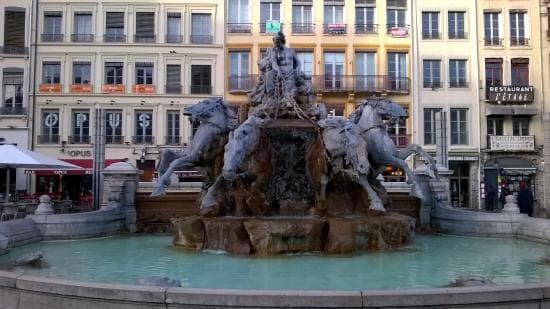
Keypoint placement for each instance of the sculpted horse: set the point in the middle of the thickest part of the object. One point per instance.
(348, 153)
(370, 116)
(206, 149)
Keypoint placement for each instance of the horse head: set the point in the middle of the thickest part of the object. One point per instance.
(213, 111)
(376, 110)
(242, 142)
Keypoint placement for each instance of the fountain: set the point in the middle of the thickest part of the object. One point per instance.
(288, 179)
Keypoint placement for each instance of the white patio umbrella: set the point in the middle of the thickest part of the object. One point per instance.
(13, 157)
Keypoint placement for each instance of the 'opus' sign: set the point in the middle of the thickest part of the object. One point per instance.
(512, 94)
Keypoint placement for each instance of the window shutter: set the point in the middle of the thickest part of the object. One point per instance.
(173, 74)
(520, 60)
(397, 4)
(145, 24)
(114, 20)
(365, 3)
(15, 22)
(270, 1)
(493, 60)
(174, 14)
(302, 2)
(334, 2)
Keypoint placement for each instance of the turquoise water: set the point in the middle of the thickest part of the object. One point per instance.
(432, 261)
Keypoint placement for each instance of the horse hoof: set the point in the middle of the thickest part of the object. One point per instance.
(377, 207)
(158, 191)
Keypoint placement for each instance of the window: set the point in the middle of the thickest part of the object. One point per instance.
(51, 71)
(397, 71)
(430, 25)
(12, 84)
(335, 111)
(520, 126)
(457, 74)
(238, 16)
(201, 29)
(144, 73)
(491, 28)
(50, 127)
(81, 128)
(365, 71)
(113, 127)
(302, 17)
(334, 17)
(429, 125)
(239, 62)
(52, 27)
(495, 125)
(144, 127)
(173, 128)
(306, 62)
(173, 78)
(432, 73)
(520, 72)
(14, 31)
(173, 27)
(113, 73)
(395, 14)
(269, 10)
(334, 70)
(456, 25)
(82, 27)
(493, 74)
(145, 27)
(114, 27)
(81, 72)
(517, 28)
(201, 79)
(364, 16)
(459, 126)
(398, 134)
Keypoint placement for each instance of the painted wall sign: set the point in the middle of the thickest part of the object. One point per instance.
(512, 94)
(512, 143)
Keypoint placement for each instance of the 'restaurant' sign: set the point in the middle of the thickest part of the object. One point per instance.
(511, 94)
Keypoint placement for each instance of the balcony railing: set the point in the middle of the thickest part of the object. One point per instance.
(493, 41)
(242, 83)
(303, 28)
(108, 38)
(114, 139)
(175, 89)
(458, 84)
(139, 38)
(48, 139)
(400, 140)
(79, 139)
(79, 37)
(172, 38)
(143, 139)
(361, 83)
(510, 143)
(431, 84)
(431, 36)
(113, 88)
(172, 140)
(202, 39)
(398, 31)
(366, 28)
(14, 50)
(13, 110)
(335, 29)
(458, 35)
(519, 41)
(52, 37)
(201, 89)
(239, 27)
(49, 88)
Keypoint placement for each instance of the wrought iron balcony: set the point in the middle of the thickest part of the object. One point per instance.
(79, 37)
(113, 37)
(52, 37)
(493, 41)
(114, 139)
(239, 27)
(172, 38)
(302, 28)
(335, 29)
(360, 83)
(431, 84)
(175, 89)
(519, 41)
(242, 83)
(366, 28)
(140, 38)
(172, 140)
(13, 110)
(202, 39)
(48, 139)
(14, 50)
(79, 139)
(431, 35)
(143, 139)
(201, 89)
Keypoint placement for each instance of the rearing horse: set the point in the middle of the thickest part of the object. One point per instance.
(370, 116)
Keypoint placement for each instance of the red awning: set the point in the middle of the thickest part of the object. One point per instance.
(86, 164)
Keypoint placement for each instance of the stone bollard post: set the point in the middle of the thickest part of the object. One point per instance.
(121, 181)
(437, 192)
(511, 205)
(45, 206)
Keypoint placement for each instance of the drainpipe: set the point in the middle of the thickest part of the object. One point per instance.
(31, 117)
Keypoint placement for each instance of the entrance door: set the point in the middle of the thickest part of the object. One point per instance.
(491, 184)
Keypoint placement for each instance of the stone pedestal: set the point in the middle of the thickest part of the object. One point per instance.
(120, 183)
(511, 205)
(45, 206)
(437, 192)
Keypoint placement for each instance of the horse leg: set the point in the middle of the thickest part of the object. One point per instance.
(374, 199)
(426, 157)
(159, 187)
(378, 188)
(209, 199)
(411, 177)
(166, 157)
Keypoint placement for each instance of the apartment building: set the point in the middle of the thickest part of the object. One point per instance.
(511, 97)
(348, 49)
(140, 61)
(445, 80)
(15, 20)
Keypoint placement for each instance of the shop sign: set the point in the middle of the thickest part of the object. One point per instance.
(511, 94)
(512, 143)
(80, 153)
(272, 26)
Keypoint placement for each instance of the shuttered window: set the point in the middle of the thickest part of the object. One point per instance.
(302, 2)
(145, 24)
(14, 28)
(173, 78)
(114, 23)
(201, 79)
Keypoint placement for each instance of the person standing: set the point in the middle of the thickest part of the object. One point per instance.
(490, 198)
(525, 199)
